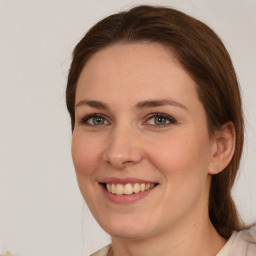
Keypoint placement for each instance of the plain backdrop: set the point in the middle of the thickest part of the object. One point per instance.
(41, 210)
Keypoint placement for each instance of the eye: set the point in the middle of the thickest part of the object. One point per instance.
(160, 119)
(94, 120)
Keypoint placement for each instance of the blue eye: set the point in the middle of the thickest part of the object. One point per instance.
(94, 120)
(160, 119)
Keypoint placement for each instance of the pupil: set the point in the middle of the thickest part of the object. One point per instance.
(98, 120)
(160, 120)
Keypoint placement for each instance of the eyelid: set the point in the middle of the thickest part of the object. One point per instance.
(163, 115)
(83, 120)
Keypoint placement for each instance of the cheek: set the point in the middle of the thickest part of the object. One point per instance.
(85, 154)
(181, 159)
(86, 158)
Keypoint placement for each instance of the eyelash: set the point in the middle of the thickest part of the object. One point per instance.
(169, 119)
(84, 120)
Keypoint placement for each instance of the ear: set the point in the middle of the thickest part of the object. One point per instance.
(223, 147)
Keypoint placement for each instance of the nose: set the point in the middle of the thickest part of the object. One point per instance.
(123, 148)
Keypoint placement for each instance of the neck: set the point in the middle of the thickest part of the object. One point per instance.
(193, 239)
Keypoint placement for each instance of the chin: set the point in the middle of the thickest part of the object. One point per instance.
(128, 228)
(127, 233)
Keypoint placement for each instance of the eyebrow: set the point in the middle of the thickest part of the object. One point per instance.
(157, 103)
(140, 105)
(92, 103)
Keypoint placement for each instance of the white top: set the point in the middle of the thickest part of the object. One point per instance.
(242, 243)
(224, 251)
(102, 252)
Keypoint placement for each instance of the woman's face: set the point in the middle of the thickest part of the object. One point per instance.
(141, 147)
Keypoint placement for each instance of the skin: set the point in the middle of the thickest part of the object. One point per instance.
(180, 156)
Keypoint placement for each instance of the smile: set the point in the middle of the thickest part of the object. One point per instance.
(126, 190)
(129, 188)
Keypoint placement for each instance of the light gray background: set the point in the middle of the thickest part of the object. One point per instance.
(41, 209)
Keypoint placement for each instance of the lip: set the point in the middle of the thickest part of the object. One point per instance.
(125, 199)
(115, 180)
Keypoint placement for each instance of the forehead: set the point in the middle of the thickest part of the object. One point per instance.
(134, 69)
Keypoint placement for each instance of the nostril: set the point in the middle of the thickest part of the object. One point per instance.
(126, 163)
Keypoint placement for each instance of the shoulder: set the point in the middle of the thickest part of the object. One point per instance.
(103, 251)
(244, 243)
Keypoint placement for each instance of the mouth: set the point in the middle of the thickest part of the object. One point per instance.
(128, 188)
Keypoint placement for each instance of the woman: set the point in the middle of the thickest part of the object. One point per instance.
(158, 134)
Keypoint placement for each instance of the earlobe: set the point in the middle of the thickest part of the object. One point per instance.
(223, 148)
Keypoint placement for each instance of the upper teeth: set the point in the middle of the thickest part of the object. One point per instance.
(128, 188)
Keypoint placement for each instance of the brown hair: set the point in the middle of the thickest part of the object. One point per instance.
(204, 57)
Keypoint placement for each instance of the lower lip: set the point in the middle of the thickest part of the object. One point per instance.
(126, 199)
